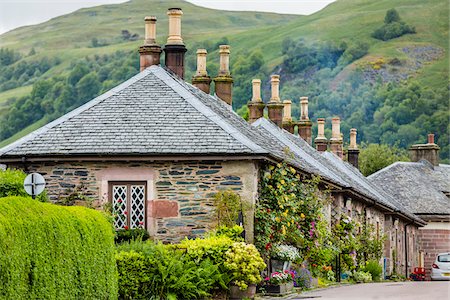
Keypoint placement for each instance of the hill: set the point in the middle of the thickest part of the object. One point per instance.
(393, 91)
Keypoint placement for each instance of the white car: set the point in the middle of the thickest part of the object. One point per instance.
(440, 270)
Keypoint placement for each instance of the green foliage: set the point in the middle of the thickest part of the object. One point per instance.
(227, 205)
(245, 264)
(126, 235)
(362, 277)
(234, 233)
(11, 184)
(155, 271)
(374, 268)
(374, 157)
(213, 248)
(393, 27)
(289, 211)
(54, 252)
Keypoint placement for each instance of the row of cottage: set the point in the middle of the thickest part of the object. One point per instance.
(162, 148)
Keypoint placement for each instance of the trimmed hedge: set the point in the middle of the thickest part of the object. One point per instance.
(54, 252)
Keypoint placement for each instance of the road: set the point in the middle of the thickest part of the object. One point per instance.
(428, 290)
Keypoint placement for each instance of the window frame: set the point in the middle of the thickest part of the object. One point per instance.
(129, 184)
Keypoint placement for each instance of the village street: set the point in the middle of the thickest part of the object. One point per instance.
(428, 290)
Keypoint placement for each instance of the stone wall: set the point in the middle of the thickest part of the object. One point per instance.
(433, 240)
(179, 194)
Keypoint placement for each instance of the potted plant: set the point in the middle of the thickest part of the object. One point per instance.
(279, 282)
(282, 256)
(245, 264)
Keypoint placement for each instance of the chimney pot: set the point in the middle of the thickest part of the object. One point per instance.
(321, 141)
(275, 82)
(429, 151)
(256, 89)
(224, 51)
(201, 79)
(175, 26)
(287, 115)
(353, 151)
(150, 52)
(353, 144)
(304, 108)
(150, 31)
(336, 137)
(431, 138)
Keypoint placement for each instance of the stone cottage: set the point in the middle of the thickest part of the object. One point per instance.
(423, 186)
(158, 149)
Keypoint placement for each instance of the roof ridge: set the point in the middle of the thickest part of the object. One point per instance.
(209, 113)
(74, 112)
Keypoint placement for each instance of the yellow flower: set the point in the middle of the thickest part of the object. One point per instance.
(283, 229)
(302, 215)
(277, 219)
(281, 206)
(282, 181)
(289, 224)
(292, 170)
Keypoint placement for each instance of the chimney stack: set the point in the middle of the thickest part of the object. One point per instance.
(224, 82)
(201, 79)
(429, 151)
(353, 151)
(275, 107)
(256, 105)
(287, 116)
(305, 124)
(175, 48)
(150, 52)
(336, 138)
(321, 141)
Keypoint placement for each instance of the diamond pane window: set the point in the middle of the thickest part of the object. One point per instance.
(128, 203)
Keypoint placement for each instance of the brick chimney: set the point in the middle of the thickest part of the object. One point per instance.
(429, 151)
(201, 79)
(321, 141)
(224, 82)
(353, 151)
(256, 105)
(175, 48)
(336, 138)
(275, 107)
(150, 52)
(287, 116)
(305, 124)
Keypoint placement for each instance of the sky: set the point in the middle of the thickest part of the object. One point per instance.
(16, 13)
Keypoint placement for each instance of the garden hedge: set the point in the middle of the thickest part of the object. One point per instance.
(54, 252)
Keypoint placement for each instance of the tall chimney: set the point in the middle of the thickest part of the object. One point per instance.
(175, 48)
(321, 141)
(224, 82)
(353, 151)
(336, 138)
(287, 116)
(256, 105)
(201, 79)
(275, 107)
(305, 124)
(150, 52)
(429, 151)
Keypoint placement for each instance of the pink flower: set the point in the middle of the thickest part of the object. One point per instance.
(141, 223)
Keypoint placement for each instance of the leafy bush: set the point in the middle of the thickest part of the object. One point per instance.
(54, 252)
(126, 235)
(302, 278)
(213, 248)
(234, 233)
(285, 253)
(227, 204)
(245, 264)
(393, 27)
(11, 184)
(374, 268)
(360, 276)
(162, 272)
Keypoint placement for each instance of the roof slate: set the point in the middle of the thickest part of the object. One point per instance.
(419, 185)
(151, 113)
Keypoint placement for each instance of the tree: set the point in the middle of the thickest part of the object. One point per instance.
(391, 16)
(88, 87)
(374, 157)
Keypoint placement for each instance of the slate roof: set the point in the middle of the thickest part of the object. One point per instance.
(153, 113)
(421, 186)
(331, 167)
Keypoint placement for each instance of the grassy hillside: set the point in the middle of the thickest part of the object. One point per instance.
(354, 89)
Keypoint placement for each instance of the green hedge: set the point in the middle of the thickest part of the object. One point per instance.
(54, 252)
(11, 184)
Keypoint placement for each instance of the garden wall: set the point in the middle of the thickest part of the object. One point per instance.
(53, 252)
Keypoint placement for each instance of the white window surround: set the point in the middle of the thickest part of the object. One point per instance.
(125, 174)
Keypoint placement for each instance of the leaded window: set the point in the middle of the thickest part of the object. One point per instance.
(128, 204)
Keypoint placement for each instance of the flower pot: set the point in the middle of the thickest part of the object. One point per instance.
(237, 294)
(281, 289)
(279, 265)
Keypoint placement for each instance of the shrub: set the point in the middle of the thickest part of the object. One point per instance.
(213, 248)
(245, 264)
(228, 205)
(303, 278)
(11, 184)
(54, 252)
(374, 268)
(361, 276)
(285, 253)
(234, 233)
(163, 272)
(393, 27)
(127, 235)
